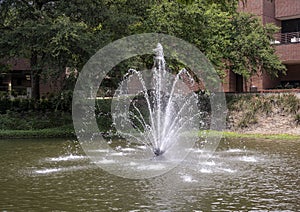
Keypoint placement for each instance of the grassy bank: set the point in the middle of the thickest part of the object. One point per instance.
(246, 112)
(235, 135)
(261, 136)
(264, 113)
(68, 132)
(24, 118)
(59, 132)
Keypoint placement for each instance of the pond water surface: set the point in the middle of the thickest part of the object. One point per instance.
(242, 175)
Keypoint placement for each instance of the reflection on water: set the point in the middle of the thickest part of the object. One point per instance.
(242, 175)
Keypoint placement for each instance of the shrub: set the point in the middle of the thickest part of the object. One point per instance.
(253, 105)
(5, 104)
(103, 114)
(291, 103)
(9, 121)
(33, 120)
(297, 119)
(248, 119)
(58, 102)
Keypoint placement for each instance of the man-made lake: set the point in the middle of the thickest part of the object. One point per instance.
(243, 175)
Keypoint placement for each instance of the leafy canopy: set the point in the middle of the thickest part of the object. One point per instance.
(55, 34)
(231, 40)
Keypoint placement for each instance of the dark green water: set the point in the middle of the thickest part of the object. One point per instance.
(54, 175)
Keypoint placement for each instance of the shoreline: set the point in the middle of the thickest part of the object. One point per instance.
(63, 132)
(68, 132)
(279, 136)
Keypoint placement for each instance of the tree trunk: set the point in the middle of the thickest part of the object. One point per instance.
(35, 73)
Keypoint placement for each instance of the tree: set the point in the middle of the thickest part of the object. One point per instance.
(231, 40)
(250, 51)
(226, 5)
(55, 34)
(40, 31)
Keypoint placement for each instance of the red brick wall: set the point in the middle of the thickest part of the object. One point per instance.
(289, 53)
(269, 82)
(269, 13)
(252, 6)
(287, 8)
(265, 9)
(256, 81)
(293, 73)
(269, 8)
(229, 84)
(46, 86)
(262, 81)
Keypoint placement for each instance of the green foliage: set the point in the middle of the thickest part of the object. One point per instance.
(193, 23)
(59, 34)
(55, 112)
(250, 51)
(290, 103)
(247, 120)
(226, 5)
(41, 32)
(297, 119)
(54, 35)
(103, 114)
(60, 132)
(231, 40)
(104, 117)
(60, 102)
(232, 135)
(33, 120)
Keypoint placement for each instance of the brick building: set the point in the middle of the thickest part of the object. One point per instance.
(18, 80)
(286, 15)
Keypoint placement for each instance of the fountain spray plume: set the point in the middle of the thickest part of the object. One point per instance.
(170, 105)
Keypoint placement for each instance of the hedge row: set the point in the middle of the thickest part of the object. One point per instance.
(60, 102)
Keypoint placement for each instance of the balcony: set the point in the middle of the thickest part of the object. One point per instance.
(286, 38)
(287, 47)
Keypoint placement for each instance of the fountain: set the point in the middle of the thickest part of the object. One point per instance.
(157, 109)
(155, 112)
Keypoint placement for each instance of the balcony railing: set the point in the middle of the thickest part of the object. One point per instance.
(286, 38)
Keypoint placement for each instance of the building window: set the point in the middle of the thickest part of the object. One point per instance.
(290, 31)
(292, 25)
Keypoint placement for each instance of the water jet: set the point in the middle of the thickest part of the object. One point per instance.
(157, 108)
